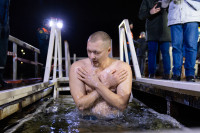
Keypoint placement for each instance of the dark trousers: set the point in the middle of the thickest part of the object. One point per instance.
(141, 62)
(3, 48)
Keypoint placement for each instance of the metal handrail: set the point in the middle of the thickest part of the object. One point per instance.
(16, 42)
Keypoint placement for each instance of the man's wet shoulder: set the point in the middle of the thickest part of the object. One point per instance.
(120, 63)
(82, 62)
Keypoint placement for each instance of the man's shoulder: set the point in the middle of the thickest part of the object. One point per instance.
(120, 64)
(80, 63)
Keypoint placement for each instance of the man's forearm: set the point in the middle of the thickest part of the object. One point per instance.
(110, 97)
(88, 100)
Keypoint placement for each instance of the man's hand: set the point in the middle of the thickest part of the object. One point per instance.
(154, 10)
(114, 78)
(90, 79)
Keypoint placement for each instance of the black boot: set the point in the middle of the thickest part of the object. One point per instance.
(190, 79)
(176, 78)
(166, 76)
(152, 76)
(3, 83)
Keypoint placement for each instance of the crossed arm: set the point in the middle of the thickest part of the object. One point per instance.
(100, 87)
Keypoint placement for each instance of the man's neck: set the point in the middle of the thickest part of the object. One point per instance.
(105, 64)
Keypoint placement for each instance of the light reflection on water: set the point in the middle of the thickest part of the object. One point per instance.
(62, 116)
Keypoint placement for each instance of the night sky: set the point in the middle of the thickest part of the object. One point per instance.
(81, 18)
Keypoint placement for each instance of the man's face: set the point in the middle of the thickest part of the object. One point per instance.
(97, 52)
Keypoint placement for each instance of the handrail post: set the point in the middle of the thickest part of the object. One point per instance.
(74, 58)
(14, 61)
(36, 64)
(58, 38)
(67, 59)
(111, 52)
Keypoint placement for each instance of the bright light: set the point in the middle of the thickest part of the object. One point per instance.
(23, 53)
(51, 23)
(59, 24)
(22, 62)
(56, 22)
(22, 50)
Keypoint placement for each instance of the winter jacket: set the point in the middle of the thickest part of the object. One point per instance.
(156, 25)
(183, 11)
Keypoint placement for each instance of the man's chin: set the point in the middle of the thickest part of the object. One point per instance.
(94, 63)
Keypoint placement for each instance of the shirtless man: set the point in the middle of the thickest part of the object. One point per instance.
(98, 83)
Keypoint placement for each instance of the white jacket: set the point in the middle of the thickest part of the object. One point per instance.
(182, 11)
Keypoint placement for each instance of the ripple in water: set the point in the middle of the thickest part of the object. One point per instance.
(62, 116)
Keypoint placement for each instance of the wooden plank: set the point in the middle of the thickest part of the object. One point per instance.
(186, 97)
(11, 108)
(178, 86)
(14, 94)
(63, 89)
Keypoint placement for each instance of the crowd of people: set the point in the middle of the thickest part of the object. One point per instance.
(172, 22)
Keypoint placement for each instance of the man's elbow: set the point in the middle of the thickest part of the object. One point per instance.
(81, 107)
(122, 106)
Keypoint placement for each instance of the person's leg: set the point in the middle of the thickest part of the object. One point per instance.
(164, 47)
(152, 50)
(190, 34)
(142, 65)
(177, 42)
(139, 63)
(3, 57)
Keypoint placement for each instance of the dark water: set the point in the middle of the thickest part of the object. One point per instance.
(61, 116)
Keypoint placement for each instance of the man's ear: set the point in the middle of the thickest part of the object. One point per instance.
(109, 49)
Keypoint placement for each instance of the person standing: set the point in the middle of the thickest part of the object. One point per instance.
(183, 17)
(4, 34)
(157, 34)
(142, 52)
(43, 34)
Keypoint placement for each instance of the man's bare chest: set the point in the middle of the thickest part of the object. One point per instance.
(102, 76)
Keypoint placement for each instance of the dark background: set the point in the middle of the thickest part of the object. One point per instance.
(81, 18)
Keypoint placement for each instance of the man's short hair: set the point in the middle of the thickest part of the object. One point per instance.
(100, 35)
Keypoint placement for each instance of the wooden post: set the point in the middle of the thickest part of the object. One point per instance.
(58, 38)
(36, 65)
(55, 61)
(111, 53)
(74, 57)
(49, 55)
(67, 59)
(14, 61)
